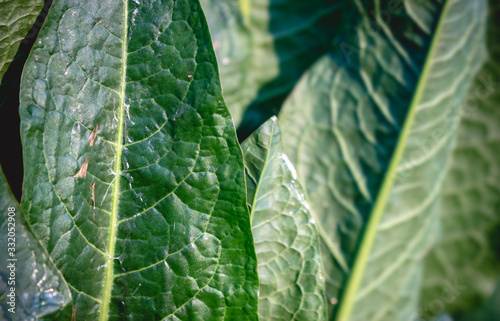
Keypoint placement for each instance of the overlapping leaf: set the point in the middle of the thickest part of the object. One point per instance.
(468, 253)
(264, 46)
(16, 18)
(39, 290)
(370, 128)
(134, 178)
(286, 242)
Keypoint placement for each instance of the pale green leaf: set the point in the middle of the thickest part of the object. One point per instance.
(134, 179)
(469, 250)
(370, 129)
(286, 241)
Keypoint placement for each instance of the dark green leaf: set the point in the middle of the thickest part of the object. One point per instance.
(286, 242)
(38, 287)
(134, 179)
(489, 311)
(370, 129)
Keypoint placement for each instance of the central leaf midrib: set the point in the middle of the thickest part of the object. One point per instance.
(113, 224)
(354, 279)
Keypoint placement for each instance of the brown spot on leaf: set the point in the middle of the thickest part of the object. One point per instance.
(92, 190)
(93, 136)
(190, 76)
(83, 170)
(92, 198)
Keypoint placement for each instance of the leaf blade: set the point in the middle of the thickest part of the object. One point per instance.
(467, 249)
(263, 47)
(157, 226)
(290, 268)
(361, 97)
(40, 290)
(17, 19)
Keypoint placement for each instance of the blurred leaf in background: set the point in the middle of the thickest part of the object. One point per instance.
(469, 250)
(263, 47)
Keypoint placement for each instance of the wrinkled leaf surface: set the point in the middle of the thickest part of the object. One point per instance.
(370, 129)
(134, 179)
(286, 241)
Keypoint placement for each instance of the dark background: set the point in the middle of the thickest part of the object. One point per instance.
(11, 156)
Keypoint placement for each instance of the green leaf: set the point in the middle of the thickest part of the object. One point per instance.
(134, 179)
(469, 249)
(39, 288)
(370, 128)
(286, 241)
(16, 19)
(264, 46)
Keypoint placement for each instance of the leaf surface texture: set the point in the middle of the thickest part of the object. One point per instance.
(286, 241)
(385, 102)
(16, 19)
(134, 179)
(40, 289)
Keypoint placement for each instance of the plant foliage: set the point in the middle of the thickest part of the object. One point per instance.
(372, 196)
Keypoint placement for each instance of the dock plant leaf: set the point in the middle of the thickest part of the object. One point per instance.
(385, 101)
(463, 267)
(134, 179)
(286, 241)
(40, 291)
(16, 19)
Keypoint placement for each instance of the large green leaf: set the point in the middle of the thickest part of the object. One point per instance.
(370, 128)
(39, 288)
(286, 241)
(469, 251)
(264, 46)
(16, 19)
(134, 179)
